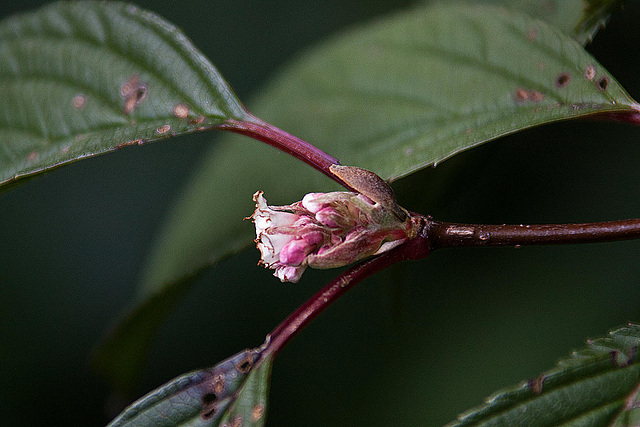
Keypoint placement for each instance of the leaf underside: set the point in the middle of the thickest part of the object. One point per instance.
(393, 97)
(597, 385)
(232, 393)
(82, 78)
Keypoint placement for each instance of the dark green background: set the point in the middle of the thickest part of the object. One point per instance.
(415, 345)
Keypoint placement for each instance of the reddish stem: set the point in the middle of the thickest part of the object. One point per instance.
(449, 235)
(632, 117)
(296, 147)
(436, 235)
(412, 250)
(433, 234)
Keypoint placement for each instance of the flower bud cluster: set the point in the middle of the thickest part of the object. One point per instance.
(324, 230)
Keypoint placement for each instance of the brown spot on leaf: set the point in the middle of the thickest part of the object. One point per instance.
(79, 101)
(32, 156)
(218, 383)
(134, 92)
(621, 359)
(236, 422)
(602, 83)
(532, 34)
(535, 96)
(163, 129)
(196, 120)
(590, 72)
(181, 111)
(126, 143)
(563, 79)
(257, 412)
(521, 95)
(536, 384)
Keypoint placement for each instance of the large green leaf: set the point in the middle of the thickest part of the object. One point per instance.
(590, 388)
(393, 96)
(82, 78)
(232, 393)
(406, 93)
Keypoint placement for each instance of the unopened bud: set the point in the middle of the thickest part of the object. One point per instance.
(325, 230)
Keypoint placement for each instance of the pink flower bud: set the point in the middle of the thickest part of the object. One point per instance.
(314, 237)
(294, 252)
(325, 230)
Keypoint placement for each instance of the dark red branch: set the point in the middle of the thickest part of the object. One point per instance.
(434, 235)
(286, 142)
(631, 117)
(412, 250)
(449, 235)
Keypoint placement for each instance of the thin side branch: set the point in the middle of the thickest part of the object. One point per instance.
(282, 334)
(449, 235)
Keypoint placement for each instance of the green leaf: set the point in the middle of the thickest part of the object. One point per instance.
(82, 78)
(589, 388)
(232, 393)
(630, 414)
(412, 91)
(393, 97)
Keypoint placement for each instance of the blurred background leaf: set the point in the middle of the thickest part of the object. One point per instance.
(446, 332)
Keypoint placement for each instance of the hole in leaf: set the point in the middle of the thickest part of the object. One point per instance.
(602, 83)
(245, 365)
(208, 413)
(134, 92)
(208, 398)
(563, 79)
